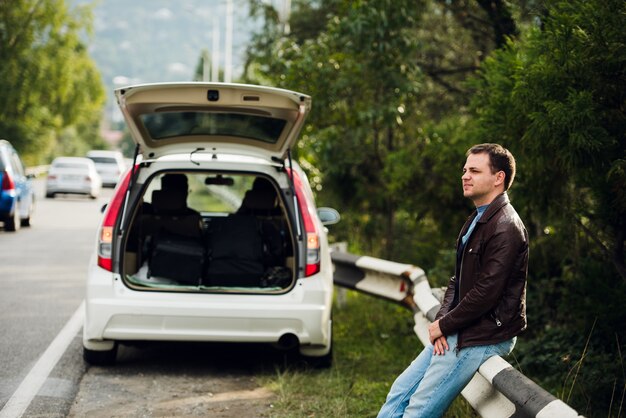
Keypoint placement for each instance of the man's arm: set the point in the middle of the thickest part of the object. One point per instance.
(434, 331)
(440, 346)
(447, 298)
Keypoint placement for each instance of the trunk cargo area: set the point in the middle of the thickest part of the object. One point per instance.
(209, 232)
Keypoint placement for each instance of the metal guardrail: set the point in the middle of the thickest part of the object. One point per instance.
(497, 390)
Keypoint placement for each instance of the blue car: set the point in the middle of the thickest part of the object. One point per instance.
(17, 195)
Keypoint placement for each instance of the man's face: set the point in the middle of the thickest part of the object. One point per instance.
(479, 184)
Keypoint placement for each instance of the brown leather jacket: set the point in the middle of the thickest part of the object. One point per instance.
(491, 272)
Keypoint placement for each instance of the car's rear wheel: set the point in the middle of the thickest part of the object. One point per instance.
(322, 362)
(26, 221)
(319, 358)
(100, 358)
(13, 224)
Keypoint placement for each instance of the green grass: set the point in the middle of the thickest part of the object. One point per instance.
(373, 343)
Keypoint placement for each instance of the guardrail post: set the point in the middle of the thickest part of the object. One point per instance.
(342, 292)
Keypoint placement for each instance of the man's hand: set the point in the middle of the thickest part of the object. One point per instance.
(434, 331)
(437, 339)
(440, 346)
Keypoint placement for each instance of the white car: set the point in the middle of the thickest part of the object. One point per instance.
(73, 175)
(214, 235)
(109, 164)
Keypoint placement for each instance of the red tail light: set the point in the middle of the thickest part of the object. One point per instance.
(7, 181)
(310, 227)
(105, 239)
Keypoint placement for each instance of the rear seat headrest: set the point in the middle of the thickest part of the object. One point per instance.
(261, 183)
(168, 200)
(174, 181)
(259, 200)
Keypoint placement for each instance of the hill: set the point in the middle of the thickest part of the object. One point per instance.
(144, 41)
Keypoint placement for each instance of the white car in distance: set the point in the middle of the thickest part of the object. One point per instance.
(109, 164)
(73, 175)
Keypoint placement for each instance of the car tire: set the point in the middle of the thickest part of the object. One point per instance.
(26, 221)
(50, 195)
(322, 362)
(13, 224)
(100, 358)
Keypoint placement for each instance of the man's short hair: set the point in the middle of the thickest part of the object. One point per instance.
(500, 159)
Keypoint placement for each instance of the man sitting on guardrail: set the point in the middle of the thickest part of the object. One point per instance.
(484, 307)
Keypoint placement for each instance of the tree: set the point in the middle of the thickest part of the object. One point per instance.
(52, 93)
(387, 80)
(556, 99)
(357, 70)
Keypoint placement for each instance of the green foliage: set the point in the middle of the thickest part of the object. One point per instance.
(555, 99)
(588, 375)
(357, 69)
(51, 91)
(388, 116)
(369, 139)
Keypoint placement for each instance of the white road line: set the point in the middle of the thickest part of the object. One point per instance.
(31, 384)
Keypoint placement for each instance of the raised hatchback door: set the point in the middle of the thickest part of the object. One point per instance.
(173, 118)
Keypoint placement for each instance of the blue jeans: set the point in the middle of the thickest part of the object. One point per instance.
(429, 385)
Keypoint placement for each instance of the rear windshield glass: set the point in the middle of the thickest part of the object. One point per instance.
(206, 193)
(170, 124)
(70, 165)
(103, 160)
(2, 157)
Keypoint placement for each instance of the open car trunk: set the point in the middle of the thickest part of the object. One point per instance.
(199, 231)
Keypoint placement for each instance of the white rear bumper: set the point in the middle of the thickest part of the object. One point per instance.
(115, 312)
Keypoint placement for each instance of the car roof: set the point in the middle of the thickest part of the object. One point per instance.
(104, 153)
(84, 160)
(4, 144)
(167, 118)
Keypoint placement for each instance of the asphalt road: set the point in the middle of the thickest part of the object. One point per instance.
(42, 271)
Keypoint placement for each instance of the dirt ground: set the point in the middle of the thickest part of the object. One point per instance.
(180, 380)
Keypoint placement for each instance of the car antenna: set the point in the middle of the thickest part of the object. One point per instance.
(192, 153)
(293, 193)
(128, 189)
